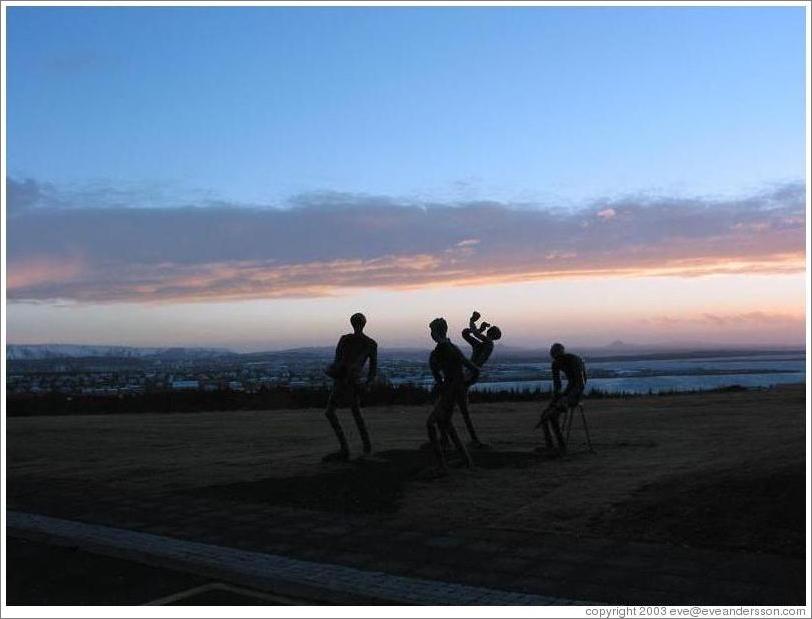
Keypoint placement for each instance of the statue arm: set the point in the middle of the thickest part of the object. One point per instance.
(435, 369)
(339, 350)
(373, 362)
(471, 336)
(556, 379)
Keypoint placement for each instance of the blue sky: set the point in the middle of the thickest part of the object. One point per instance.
(233, 162)
(256, 104)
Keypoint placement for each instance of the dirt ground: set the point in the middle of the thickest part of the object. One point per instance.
(720, 470)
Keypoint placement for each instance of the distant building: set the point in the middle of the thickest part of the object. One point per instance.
(185, 384)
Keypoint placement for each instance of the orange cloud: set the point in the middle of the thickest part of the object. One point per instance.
(251, 280)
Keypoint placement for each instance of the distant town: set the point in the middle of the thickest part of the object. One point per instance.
(122, 371)
(112, 376)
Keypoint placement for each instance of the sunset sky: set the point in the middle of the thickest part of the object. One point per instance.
(250, 177)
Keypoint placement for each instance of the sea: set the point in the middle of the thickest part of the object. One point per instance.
(641, 376)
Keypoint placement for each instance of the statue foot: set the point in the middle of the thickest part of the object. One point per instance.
(338, 456)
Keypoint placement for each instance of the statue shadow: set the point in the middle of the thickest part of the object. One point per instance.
(364, 486)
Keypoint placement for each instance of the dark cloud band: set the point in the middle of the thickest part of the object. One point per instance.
(85, 246)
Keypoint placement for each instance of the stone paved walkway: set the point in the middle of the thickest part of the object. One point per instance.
(266, 571)
(541, 565)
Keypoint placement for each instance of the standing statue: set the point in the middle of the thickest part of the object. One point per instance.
(447, 363)
(352, 352)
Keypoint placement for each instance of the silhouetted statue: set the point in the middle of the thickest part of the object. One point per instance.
(352, 352)
(447, 363)
(481, 340)
(575, 371)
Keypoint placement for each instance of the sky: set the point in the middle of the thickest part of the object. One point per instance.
(249, 177)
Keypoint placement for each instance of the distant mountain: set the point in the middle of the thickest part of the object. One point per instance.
(327, 352)
(319, 351)
(619, 345)
(18, 352)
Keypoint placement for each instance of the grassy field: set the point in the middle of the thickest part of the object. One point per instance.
(720, 470)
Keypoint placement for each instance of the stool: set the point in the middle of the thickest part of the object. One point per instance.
(566, 424)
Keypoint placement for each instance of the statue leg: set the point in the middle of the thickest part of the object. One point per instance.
(562, 445)
(432, 427)
(452, 432)
(359, 421)
(330, 413)
(462, 402)
(548, 438)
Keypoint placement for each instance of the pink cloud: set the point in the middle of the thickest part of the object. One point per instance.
(728, 320)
